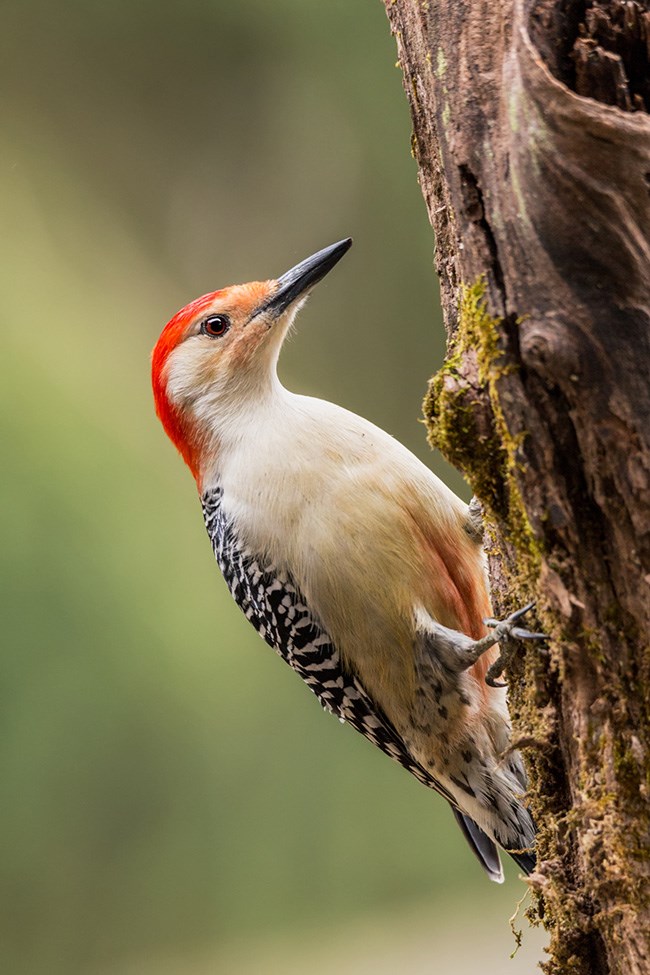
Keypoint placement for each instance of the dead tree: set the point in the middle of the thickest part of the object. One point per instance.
(532, 137)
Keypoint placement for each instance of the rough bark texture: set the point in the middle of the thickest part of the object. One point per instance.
(533, 145)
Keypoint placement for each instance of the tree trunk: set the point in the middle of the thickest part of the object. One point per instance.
(532, 139)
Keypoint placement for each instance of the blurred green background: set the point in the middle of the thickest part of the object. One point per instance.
(174, 800)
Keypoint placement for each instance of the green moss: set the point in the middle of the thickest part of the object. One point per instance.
(480, 328)
(466, 421)
(627, 768)
(483, 448)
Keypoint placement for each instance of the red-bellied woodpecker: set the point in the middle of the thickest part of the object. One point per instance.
(351, 559)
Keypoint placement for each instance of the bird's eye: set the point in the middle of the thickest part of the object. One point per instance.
(215, 326)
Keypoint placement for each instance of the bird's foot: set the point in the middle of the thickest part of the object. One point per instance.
(507, 633)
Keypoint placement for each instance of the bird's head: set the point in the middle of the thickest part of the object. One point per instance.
(217, 355)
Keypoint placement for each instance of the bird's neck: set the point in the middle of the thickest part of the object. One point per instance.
(236, 419)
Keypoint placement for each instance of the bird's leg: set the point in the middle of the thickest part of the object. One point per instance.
(505, 632)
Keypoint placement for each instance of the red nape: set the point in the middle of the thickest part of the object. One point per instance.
(178, 428)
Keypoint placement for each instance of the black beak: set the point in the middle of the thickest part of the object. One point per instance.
(304, 275)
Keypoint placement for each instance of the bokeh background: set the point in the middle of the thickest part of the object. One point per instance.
(173, 799)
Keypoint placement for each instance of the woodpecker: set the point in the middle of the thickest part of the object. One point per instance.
(353, 561)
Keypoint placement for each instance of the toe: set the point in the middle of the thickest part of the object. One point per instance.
(522, 634)
(520, 612)
(491, 682)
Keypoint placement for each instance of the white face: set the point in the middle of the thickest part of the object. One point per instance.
(228, 348)
(216, 358)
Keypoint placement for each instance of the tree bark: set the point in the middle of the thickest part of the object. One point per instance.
(532, 139)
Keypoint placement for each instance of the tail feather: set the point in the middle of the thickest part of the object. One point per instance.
(526, 861)
(485, 849)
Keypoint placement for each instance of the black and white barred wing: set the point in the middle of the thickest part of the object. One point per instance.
(270, 600)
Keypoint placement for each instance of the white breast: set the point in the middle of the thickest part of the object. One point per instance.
(303, 467)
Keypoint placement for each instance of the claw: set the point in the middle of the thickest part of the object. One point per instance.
(507, 632)
(491, 682)
(520, 634)
(520, 612)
